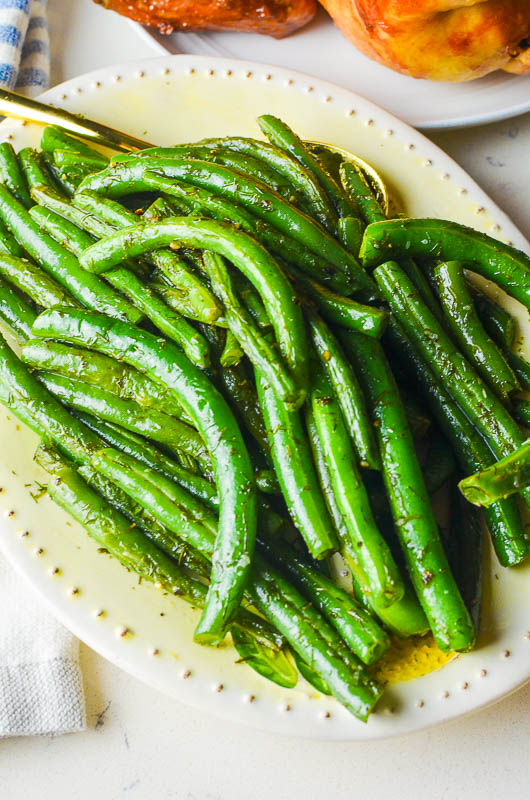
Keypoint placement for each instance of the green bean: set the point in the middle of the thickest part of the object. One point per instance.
(350, 234)
(64, 159)
(521, 367)
(32, 280)
(264, 203)
(90, 290)
(295, 470)
(253, 343)
(467, 330)
(147, 454)
(449, 241)
(340, 310)
(508, 535)
(347, 391)
(372, 554)
(501, 479)
(356, 627)
(232, 351)
(34, 168)
(480, 404)
(101, 371)
(357, 188)
(16, 312)
(411, 509)
(8, 243)
(217, 426)
(242, 398)
(282, 136)
(496, 320)
(521, 412)
(54, 138)
(244, 252)
(440, 465)
(150, 422)
(267, 482)
(194, 299)
(40, 411)
(298, 176)
(12, 176)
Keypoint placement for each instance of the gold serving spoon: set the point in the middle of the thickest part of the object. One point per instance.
(20, 107)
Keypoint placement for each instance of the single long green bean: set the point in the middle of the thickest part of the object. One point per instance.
(372, 554)
(32, 280)
(12, 176)
(34, 168)
(347, 391)
(253, 342)
(217, 426)
(502, 479)
(282, 136)
(90, 290)
(439, 239)
(409, 501)
(466, 329)
(295, 470)
(16, 312)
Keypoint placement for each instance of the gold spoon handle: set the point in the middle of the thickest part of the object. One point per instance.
(20, 107)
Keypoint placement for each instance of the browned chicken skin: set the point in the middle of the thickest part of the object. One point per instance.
(275, 18)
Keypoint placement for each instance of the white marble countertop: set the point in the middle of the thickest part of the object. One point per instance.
(140, 744)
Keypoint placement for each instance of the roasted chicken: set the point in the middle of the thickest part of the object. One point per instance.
(276, 18)
(444, 40)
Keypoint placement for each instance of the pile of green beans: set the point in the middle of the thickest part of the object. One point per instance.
(232, 382)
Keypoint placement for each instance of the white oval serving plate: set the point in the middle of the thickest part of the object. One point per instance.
(183, 98)
(321, 50)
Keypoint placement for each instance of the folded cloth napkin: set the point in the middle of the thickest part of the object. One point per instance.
(24, 46)
(41, 690)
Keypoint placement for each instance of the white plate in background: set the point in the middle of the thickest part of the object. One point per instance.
(149, 635)
(321, 50)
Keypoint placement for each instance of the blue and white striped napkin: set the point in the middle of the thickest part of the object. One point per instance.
(24, 46)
